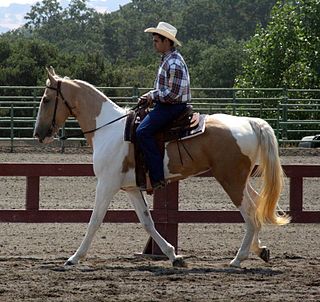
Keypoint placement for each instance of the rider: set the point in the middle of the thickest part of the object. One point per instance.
(170, 96)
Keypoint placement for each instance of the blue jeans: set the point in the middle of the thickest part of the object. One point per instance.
(159, 118)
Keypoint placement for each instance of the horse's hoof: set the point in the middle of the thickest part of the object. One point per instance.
(179, 262)
(235, 263)
(69, 263)
(265, 254)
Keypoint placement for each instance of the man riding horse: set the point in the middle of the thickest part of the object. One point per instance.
(170, 96)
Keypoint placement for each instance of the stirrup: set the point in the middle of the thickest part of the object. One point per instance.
(159, 184)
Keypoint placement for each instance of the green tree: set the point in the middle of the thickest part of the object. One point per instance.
(45, 12)
(76, 28)
(219, 64)
(25, 62)
(286, 53)
(112, 49)
(216, 20)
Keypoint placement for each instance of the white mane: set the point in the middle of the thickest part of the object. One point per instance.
(101, 94)
(84, 83)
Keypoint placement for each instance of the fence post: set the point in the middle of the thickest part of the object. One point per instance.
(234, 101)
(62, 142)
(34, 111)
(165, 201)
(296, 196)
(135, 93)
(285, 114)
(32, 193)
(11, 128)
(278, 122)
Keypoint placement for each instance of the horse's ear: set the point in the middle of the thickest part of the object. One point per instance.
(51, 74)
(51, 70)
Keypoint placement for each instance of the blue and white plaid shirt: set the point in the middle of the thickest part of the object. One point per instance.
(172, 84)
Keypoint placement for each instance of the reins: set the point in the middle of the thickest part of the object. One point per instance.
(96, 129)
(64, 137)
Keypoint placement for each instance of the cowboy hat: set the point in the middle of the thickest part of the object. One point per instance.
(166, 30)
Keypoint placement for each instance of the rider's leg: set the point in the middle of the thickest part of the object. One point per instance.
(157, 119)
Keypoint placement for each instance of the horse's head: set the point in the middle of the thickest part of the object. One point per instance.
(54, 109)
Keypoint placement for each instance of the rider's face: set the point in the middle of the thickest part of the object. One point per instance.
(161, 46)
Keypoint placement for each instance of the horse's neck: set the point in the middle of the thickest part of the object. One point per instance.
(96, 110)
(109, 111)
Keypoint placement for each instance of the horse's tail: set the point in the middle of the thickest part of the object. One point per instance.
(272, 175)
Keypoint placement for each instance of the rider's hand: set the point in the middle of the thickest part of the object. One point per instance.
(145, 100)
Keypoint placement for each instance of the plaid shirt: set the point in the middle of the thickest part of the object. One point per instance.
(172, 84)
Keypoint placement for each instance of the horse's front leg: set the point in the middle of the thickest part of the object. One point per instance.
(104, 193)
(143, 213)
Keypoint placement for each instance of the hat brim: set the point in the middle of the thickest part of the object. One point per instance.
(162, 33)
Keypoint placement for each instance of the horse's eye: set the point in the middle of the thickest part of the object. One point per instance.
(45, 100)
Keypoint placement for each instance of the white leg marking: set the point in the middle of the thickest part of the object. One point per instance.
(246, 212)
(104, 194)
(146, 220)
(256, 247)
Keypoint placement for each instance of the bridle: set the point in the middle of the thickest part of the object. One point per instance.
(59, 94)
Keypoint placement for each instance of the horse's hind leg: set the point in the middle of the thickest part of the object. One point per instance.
(260, 251)
(251, 239)
(244, 249)
(143, 213)
(104, 194)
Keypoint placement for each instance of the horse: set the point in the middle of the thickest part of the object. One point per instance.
(230, 147)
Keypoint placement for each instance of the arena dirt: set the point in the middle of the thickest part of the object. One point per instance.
(32, 255)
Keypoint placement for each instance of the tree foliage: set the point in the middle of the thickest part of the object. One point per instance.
(22, 60)
(287, 52)
(112, 49)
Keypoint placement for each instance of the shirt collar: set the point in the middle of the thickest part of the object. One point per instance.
(168, 53)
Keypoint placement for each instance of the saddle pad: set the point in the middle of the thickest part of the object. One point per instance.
(196, 130)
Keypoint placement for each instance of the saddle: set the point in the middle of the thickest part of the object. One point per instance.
(188, 124)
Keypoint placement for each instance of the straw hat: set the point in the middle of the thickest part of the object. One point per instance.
(166, 30)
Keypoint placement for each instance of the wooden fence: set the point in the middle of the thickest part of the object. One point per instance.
(165, 213)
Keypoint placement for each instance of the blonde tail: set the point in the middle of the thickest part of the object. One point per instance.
(272, 176)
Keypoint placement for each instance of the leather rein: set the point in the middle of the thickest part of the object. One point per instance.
(53, 123)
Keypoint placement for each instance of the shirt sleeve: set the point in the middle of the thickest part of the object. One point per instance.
(170, 90)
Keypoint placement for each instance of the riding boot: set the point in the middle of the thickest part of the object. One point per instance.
(140, 169)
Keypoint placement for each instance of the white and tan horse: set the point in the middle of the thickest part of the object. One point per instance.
(230, 147)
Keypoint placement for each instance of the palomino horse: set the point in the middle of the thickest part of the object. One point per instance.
(230, 147)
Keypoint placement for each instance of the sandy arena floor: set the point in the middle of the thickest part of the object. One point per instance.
(32, 255)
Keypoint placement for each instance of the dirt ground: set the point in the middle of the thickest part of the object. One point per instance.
(32, 255)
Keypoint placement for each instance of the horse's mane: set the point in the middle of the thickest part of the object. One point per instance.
(90, 86)
(80, 83)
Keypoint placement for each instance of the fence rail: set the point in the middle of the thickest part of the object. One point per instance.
(165, 213)
(293, 113)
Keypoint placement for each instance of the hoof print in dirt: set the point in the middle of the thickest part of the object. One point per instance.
(59, 269)
(180, 262)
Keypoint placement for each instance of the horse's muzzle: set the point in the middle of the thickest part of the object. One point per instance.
(43, 137)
